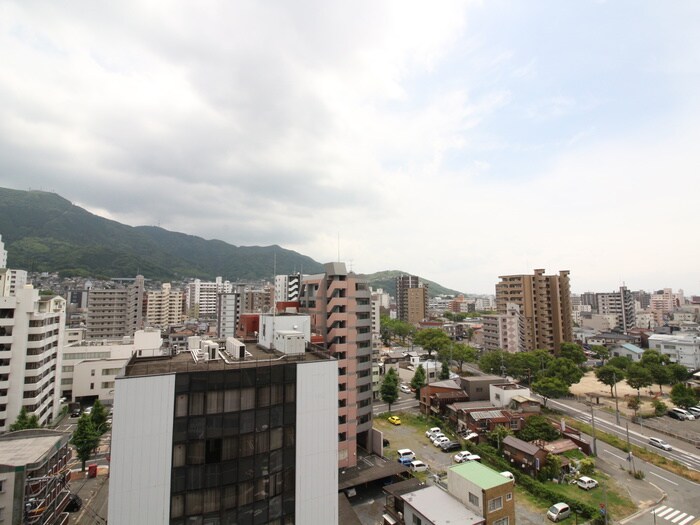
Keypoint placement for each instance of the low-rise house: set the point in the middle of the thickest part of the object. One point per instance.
(627, 350)
(429, 391)
(526, 456)
(477, 387)
(483, 491)
(501, 394)
(487, 420)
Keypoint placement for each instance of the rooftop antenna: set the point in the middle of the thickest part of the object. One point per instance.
(338, 246)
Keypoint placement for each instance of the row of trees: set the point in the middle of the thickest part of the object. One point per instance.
(90, 428)
(652, 368)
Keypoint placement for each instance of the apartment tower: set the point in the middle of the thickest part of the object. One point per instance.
(621, 305)
(411, 299)
(338, 303)
(545, 304)
(116, 312)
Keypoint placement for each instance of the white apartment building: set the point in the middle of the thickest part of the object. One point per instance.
(228, 314)
(115, 312)
(31, 335)
(287, 287)
(89, 368)
(505, 331)
(3, 254)
(201, 296)
(164, 307)
(645, 319)
(683, 348)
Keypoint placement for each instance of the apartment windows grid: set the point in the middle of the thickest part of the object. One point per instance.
(234, 446)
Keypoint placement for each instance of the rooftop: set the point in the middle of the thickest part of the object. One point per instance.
(480, 475)
(184, 362)
(439, 508)
(519, 444)
(29, 447)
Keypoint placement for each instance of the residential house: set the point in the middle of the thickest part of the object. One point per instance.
(526, 456)
(429, 391)
(483, 491)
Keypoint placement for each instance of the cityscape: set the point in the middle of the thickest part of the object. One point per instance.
(315, 399)
(332, 263)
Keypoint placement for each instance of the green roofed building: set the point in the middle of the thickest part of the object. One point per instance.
(484, 491)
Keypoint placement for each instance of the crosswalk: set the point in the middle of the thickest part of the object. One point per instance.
(673, 515)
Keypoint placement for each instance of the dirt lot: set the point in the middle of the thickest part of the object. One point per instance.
(590, 385)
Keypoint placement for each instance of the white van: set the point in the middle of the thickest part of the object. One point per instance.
(406, 455)
(418, 466)
(586, 483)
(559, 511)
(681, 414)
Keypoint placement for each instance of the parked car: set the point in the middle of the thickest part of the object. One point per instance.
(406, 453)
(450, 446)
(432, 432)
(586, 483)
(394, 420)
(88, 410)
(440, 441)
(436, 437)
(405, 461)
(418, 466)
(465, 455)
(559, 511)
(75, 412)
(695, 411)
(658, 442)
(405, 389)
(681, 414)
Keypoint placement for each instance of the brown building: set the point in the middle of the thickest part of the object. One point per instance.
(338, 302)
(545, 304)
(477, 387)
(483, 491)
(448, 391)
(527, 457)
(411, 299)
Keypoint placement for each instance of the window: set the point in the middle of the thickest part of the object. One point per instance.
(495, 504)
(509, 496)
(474, 499)
(502, 521)
(92, 386)
(417, 520)
(92, 372)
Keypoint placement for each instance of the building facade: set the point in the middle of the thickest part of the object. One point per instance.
(621, 305)
(250, 442)
(165, 307)
(411, 299)
(338, 302)
(505, 331)
(228, 314)
(116, 312)
(201, 296)
(545, 304)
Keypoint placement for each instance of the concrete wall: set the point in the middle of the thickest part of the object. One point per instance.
(142, 450)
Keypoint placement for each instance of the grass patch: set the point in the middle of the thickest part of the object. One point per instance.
(574, 454)
(640, 452)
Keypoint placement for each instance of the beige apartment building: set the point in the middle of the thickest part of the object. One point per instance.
(165, 306)
(411, 299)
(338, 303)
(115, 312)
(545, 304)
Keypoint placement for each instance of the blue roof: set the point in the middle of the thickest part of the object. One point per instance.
(633, 348)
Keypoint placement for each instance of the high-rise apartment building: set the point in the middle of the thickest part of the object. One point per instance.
(116, 312)
(257, 299)
(544, 302)
(287, 287)
(31, 337)
(164, 307)
(226, 440)
(411, 299)
(505, 331)
(338, 302)
(201, 296)
(619, 304)
(228, 314)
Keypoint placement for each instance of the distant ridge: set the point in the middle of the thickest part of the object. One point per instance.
(43, 232)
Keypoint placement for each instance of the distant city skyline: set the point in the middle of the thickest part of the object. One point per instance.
(459, 141)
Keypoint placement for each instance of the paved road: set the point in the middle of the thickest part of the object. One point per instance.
(405, 402)
(681, 506)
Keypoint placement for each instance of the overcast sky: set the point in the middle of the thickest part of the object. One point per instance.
(458, 141)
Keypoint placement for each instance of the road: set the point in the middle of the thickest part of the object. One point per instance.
(682, 504)
(406, 402)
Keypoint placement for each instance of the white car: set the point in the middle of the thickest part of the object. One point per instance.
(405, 389)
(440, 441)
(657, 442)
(433, 432)
(586, 483)
(437, 436)
(418, 466)
(464, 456)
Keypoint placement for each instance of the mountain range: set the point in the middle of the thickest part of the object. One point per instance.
(44, 232)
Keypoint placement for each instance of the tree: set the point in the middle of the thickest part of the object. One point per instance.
(572, 351)
(494, 361)
(656, 362)
(391, 328)
(551, 468)
(460, 353)
(549, 387)
(99, 416)
(620, 361)
(639, 377)
(24, 421)
(677, 373)
(538, 427)
(586, 466)
(683, 396)
(444, 371)
(609, 375)
(432, 340)
(85, 438)
(498, 434)
(469, 334)
(660, 408)
(600, 352)
(418, 380)
(634, 403)
(389, 391)
(565, 369)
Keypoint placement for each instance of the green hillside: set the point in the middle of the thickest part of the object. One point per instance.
(45, 232)
(387, 281)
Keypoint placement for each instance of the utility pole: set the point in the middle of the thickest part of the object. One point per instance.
(617, 408)
(595, 450)
(630, 457)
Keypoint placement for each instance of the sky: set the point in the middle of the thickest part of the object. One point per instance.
(458, 141)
